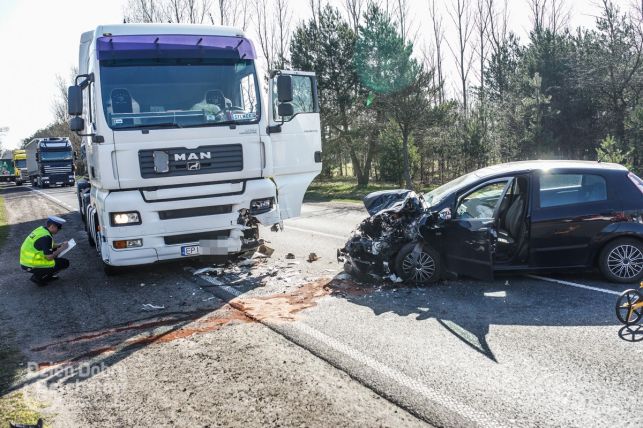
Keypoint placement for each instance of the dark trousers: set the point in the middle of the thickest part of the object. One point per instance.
(42, 274)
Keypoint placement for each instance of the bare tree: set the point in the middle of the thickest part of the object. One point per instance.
(438, 38)
(354, 10)
(283, 20)
(463, 53)
(142, 11)
(552, 15)
(482, 28)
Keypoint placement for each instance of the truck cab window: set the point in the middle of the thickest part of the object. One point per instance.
(303, 97)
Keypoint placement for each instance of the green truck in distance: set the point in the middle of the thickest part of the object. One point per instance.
(7, 172)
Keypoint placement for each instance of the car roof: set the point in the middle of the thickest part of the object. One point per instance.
(543, 165)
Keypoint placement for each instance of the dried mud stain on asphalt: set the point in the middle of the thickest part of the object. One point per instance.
(167, 328)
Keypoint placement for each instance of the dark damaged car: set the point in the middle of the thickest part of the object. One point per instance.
(520, 216)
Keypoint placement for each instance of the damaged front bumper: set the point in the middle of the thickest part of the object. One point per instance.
(395, 220)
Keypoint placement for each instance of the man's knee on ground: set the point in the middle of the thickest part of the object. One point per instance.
(62, 264)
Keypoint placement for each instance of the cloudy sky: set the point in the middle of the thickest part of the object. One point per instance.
(39, 39)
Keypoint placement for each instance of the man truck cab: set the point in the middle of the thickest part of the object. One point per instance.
(186, 154)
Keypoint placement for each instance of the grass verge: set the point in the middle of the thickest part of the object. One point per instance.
(14, 407)
(344, 190)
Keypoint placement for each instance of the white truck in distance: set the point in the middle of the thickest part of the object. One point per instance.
(185, 153)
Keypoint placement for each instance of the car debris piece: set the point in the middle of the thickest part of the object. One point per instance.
(247, 262)
(151, 307)
(265, 250)
(312, 257)
(290, 256)
(207, 270)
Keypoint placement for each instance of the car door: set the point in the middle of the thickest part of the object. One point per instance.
(469, 237)
(295, 141)
(570, 209)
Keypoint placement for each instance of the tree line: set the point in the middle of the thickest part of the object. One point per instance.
(398, 107)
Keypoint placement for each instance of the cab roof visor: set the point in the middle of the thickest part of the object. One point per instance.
(173, 46)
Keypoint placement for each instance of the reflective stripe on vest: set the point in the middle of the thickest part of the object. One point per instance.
(32, 257)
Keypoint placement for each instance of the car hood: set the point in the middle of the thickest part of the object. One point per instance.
(393, 200)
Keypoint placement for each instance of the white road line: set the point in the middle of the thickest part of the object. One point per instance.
(314, 232)
(445, 401)
(573, 284)
(56, 200)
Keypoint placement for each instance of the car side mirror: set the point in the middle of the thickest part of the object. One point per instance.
(285, 110)
(444, 214)
(75, 100)
(77, 124)
(284, 89)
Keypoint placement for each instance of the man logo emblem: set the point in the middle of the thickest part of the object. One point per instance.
(194, 166)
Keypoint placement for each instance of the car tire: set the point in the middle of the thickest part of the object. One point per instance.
(423, 268)
(621, 261)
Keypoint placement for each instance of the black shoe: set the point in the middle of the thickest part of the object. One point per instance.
(39, 282)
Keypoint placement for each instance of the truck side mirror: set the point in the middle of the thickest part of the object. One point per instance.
(285, 109)
(77, 124)
(284, 89)
(75, 101)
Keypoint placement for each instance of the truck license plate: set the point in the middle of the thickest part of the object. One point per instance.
(190, 250)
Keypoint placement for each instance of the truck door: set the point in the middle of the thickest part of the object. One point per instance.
(470, 236)
(295, 140)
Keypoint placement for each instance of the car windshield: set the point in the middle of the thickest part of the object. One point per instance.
(55, 156)
(22, 163)
(179, 93)
(436, 195)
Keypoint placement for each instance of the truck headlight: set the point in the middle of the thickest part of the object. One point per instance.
(260, 206)
(126, 218)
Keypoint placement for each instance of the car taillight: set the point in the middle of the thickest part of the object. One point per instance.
(637, 181)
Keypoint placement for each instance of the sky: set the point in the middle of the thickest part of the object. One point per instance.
(39, 40)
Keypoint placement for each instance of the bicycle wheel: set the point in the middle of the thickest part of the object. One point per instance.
(629, 307)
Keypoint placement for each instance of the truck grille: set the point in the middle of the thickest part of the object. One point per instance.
(57, 169)
(196, 237)
(181, 161)
(195, 212)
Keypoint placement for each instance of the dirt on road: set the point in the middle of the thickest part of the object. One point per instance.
(98, 351)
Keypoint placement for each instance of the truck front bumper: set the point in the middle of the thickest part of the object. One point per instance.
(165, 237)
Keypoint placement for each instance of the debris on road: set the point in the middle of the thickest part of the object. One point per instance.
(151, 307)
(247, 262)
(290, 256)
(312, 257)
(208, 270)
(265, 250)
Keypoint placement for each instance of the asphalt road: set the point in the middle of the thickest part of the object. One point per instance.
(520, 350)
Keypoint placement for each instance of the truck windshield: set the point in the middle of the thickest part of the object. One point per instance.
(178, 92)
(55, 156)
(22, 163)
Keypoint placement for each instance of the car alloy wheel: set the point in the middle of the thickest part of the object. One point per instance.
(625, 261)
(418, 264)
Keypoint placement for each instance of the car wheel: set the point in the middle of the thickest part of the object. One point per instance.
(622, 261)
(629, 308)
(418, 266)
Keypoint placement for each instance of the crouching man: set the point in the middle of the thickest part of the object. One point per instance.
(39, 253)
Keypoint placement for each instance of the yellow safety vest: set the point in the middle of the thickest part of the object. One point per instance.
(32, 257)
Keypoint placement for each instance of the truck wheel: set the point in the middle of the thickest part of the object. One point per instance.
(420, 267)
(622, 261)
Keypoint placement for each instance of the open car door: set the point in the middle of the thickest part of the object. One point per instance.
(295, 134)
(470, 236)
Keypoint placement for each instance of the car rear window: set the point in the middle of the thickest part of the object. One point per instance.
(567, 189)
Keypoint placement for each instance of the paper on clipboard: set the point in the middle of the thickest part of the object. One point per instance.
(71, 244)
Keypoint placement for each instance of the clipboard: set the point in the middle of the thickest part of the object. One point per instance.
(71, 244)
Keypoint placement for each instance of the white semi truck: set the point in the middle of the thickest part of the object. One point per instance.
(186, 154)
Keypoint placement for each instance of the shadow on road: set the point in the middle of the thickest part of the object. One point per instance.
(468, 308)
